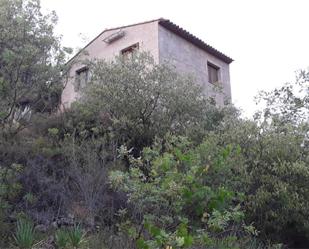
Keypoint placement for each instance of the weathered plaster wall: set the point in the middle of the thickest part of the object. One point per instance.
(189, 59)
(145, 34)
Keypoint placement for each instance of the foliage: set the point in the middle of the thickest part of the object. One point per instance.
(106, 238)
(287, 104)
(88, 161)
(275, 159)
(61, 238)
(10, 189)
(75, 235)
(5, 228)
(144, 158)
(172, 197)
(9, 184)
(138, 99)
(24, 235)
(31, 60)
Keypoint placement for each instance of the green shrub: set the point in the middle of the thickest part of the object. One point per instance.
(138, 99)
(24, 235)
(273, 176)
(61, 238)
(76, 236)
(174, 201)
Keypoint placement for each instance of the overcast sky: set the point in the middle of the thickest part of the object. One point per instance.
(268, 39)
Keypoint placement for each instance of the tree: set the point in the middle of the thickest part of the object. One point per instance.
(142, 99)
(31, 60)
(274, 157)
(288, 104)
(275, 152)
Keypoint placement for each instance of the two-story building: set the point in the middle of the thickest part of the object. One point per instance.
(168, 43)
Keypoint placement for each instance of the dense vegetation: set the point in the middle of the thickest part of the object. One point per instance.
(143, 159)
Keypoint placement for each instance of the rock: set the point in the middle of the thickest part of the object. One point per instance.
(62, 222)
(54, 224)
(41, 228)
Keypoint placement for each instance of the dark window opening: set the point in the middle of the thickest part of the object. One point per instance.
(213, 73)
(129, 51)
(82, 77)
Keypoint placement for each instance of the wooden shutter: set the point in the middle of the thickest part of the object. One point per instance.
(212, 73)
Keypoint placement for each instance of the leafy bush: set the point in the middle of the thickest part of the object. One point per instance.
(274, 158)
(173, 201)
(35, 58)
(138, 99)
(184, 173)
(10, 189)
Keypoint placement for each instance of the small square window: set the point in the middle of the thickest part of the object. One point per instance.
(129, 51)
(213, 73)
(82, 77)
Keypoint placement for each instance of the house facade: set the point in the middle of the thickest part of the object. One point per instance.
(167, 43)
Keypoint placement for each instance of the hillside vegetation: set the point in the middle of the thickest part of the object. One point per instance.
(143, 159)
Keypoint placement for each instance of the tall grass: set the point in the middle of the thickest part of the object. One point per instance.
(75, 236)
(61, 238)
(24, 235)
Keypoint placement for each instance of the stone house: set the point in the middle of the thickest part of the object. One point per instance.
(168, 43)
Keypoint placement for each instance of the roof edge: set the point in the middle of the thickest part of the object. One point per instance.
(111, 29)
(193, 39)
(173, 28)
